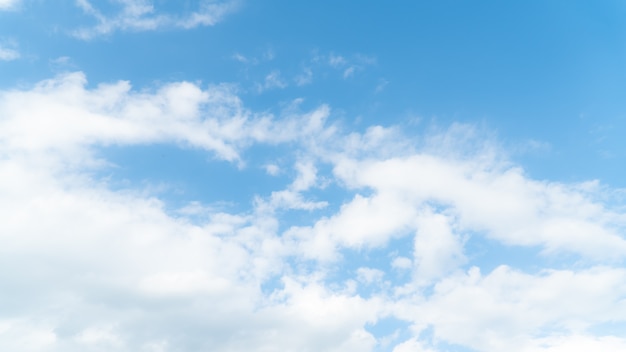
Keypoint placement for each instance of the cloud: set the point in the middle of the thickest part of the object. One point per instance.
(349, 67)
(141, 15)
(292, 196)
(106, 269)
(273, 80)
(579, 343)
(7, 54)
(240, 58)
(501, 202)
(412, 345)
(512, 310)
(437, 247)
(336, 61)
(89, 266)
(9, 4)
(382, 84)
(349, 72)
(212, 119)
(306, 77)
(272, 169)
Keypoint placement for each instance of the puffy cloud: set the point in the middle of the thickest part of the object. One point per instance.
(437, 249)
(88, 267)
(68, 118)
(292, 197)
(511, 310)
(496, 200)
(85, 266)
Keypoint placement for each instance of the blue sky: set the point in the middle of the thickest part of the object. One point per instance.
(323, 176)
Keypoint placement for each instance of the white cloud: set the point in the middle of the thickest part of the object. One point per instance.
(578, 343)
(513, 311)
(306, 77)
(103, 269)
(364, 222)
(273, 80)
(8, 54)
(212, 119)
(292, 198)
(382, 84)
(497, 200)
(349, 72)
(272, 169)
(402, 263)
(412, 345)
(88, 267)
(336, 61)
(21, 335)
(240, 58)
(141, 15)
(9, 4)
(438, 249)
(347, 65)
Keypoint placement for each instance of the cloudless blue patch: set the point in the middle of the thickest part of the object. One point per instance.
(608, 329)
(271, 285)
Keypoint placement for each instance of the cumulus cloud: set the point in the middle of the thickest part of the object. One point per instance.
(86, 266)
(94, 251)
(512, 310)
(141, 15)
(497, 200)
(213, 119)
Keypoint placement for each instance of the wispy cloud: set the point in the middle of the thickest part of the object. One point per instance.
(265, 56)
(8, 54)
(240, 58)
(141, 15)
(273, 80)
(337, 61)
(9, 4)
(348, 65)
(304, 78)
(382, 84)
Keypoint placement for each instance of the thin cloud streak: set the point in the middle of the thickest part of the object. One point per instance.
(141, 15)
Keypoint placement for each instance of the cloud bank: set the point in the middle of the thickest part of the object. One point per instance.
(86, 266)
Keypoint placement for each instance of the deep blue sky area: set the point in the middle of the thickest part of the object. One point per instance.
(547, 71)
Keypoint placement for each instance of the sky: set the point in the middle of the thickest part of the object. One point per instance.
(247, 175)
